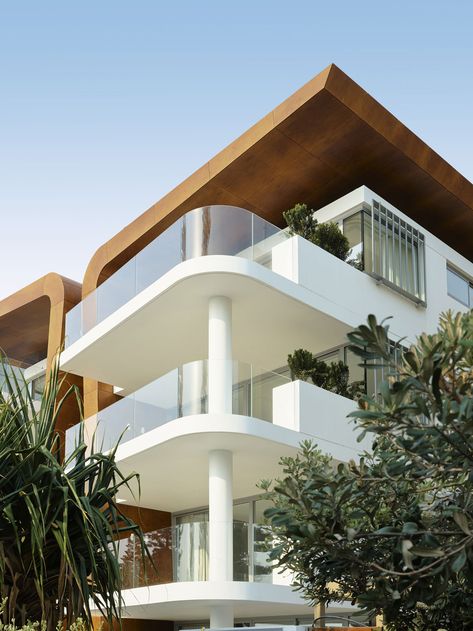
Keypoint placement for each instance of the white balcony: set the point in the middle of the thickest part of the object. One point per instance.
(167, 433)
(195, 601)
(285, 292)
(320, 414)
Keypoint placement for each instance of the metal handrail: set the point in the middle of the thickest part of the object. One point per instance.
(352, 623)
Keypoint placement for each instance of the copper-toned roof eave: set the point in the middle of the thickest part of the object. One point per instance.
(326, 139)
(32, 319)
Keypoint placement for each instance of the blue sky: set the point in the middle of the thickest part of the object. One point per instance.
(107, 105)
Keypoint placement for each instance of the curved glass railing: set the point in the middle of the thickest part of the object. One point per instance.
(181, 553)
(226, 230)
(181, 392)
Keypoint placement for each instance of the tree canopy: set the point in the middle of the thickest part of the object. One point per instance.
(393, 531)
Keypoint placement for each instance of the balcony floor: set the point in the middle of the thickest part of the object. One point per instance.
(193, 601)
(173, 459)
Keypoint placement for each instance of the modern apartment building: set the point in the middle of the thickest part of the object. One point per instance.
(180, 333)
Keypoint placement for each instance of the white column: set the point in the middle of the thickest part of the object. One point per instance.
(220, 460)
(220, 355)
(221, 529)
(221, 616)
(220, 515)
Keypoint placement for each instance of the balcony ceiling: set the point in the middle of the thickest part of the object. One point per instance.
(325, 140)
(194, 601)
(166, 324)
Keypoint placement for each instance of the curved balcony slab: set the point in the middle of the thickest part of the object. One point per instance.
(173, 459)
(166, 324)
(193, 601)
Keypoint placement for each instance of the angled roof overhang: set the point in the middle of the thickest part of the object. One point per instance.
(32, 319)
(325, 140)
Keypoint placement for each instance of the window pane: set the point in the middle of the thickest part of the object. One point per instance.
(396, 250)
(241, 517)
(352, 231)
(357, 372)
(457, 287)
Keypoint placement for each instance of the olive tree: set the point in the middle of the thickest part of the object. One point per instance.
(392, 531)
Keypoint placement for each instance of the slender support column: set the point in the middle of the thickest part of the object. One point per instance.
(221, 528)
(220, 515)
(221, 616)
(220, 355)
(220, 460)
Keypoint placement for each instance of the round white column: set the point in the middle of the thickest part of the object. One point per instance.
(220, 381)
(220, 515)
(220, 355)
(221, 616)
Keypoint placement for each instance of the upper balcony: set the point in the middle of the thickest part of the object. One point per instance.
(286, 293)
(212, 230)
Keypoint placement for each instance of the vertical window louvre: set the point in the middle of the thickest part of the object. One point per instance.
(397, 252)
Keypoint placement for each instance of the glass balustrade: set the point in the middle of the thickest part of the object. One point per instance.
(181, 553)
(182, 392)
(224, 230)
(25, 375)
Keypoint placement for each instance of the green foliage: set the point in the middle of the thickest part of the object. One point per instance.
(328, 236)
(334, 376)
(393, 533)
(59, 520)
(77, 625)
(301, 221)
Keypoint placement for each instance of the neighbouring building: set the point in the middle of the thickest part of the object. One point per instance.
(180, 333)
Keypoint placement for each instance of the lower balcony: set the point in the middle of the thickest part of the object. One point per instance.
(181, 554)
(174, 584)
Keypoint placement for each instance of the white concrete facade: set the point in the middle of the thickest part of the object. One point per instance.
(220, 310)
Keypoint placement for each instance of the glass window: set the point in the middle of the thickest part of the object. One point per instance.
(191, 556)
(355, 367)
(331, 357)
(241, 561)
(37, 388)
(352, 229)
(397, 251)
(458, 287)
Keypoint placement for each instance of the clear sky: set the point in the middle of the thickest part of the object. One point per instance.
(105, 105)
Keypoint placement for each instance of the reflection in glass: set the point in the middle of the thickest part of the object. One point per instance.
(181, 392)
(389, 248)
(459, 287)
(211, 230)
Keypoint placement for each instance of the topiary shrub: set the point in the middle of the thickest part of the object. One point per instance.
(328, 236)
(337, 378)
(334, 377)
(301, 221)
(301, 364)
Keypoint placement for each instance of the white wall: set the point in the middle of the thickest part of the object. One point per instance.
(318, 414)
(363, 195)
(348, 288)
